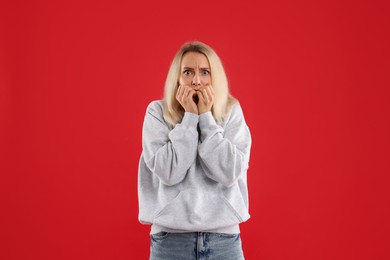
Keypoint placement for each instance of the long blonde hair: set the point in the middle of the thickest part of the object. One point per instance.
(173, 111)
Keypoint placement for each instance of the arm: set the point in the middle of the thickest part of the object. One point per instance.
(224, 153)
(169, 153)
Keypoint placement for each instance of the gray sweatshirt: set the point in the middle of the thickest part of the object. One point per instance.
(193, 177)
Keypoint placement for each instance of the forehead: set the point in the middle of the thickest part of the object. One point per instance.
(194, 59)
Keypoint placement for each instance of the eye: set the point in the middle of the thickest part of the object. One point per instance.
(187, 72)
(205, 72)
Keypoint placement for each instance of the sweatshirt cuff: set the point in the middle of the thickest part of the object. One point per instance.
(207, 125)
(190, 120)
(206, 119)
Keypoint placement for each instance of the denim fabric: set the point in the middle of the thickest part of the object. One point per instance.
(196, 245)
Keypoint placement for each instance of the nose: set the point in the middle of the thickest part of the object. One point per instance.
(196, 80)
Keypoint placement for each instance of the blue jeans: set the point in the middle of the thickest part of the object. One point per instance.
(196, 245)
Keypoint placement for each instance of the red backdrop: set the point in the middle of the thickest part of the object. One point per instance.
(312, 78)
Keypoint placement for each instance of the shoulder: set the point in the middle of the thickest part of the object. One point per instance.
(233, 107)
(235, 115)
(155, 105)
(236, 108)
(235, 111)
(155, 112)
(155, 108)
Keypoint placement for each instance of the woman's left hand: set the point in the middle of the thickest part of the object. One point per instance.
(206, 96)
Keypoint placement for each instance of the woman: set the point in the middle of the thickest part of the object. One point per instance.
(192, 184)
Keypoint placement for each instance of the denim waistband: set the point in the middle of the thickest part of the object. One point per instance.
(234, 229)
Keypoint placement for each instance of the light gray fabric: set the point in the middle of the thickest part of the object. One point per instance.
(193, 177)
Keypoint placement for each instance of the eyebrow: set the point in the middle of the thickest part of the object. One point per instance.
(189, 68)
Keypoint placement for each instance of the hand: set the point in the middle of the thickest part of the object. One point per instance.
(184, 96)
(206, 96)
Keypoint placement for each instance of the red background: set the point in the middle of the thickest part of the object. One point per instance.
(312, 78)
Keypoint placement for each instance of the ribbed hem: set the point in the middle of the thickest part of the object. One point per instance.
(235, 229)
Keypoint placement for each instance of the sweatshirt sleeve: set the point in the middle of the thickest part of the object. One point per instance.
(169, 153)
(224, 152)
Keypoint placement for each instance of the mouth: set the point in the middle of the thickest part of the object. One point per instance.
(195, 98)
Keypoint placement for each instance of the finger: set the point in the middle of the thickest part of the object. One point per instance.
(210, 94)
(206, 96)
(178, 92)
(212, 90)
(192, 94)
(186, 91)
(189, 92)
(182, 94)
(200, 95)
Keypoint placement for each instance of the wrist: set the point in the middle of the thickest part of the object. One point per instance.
(192, 110)
(202, 111)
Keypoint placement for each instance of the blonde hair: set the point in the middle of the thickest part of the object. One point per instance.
(173, 111)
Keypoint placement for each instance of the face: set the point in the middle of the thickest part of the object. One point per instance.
(195, 70)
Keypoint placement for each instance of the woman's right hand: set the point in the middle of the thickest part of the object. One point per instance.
(184, 96)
